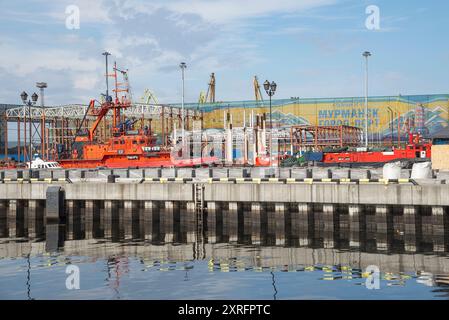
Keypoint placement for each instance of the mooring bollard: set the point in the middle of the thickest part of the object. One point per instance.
(35, 174)
(54, 204)
(112, 178)
(159, 172)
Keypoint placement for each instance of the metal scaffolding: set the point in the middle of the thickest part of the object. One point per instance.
(320, 137)
(56, 127)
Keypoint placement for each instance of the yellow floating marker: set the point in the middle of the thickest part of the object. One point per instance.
(310, 268)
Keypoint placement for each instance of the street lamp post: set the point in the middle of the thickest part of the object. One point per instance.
(270, 88)
(183, 66)
(42, 86)
(106, 54)
(366, 54)
(29, 104)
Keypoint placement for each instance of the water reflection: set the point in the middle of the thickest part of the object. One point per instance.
(164, 238)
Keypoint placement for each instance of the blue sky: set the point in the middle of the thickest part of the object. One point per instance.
(311, 48)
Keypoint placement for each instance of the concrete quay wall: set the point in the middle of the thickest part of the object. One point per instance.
(323, 193)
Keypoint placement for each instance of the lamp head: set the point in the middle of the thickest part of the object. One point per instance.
(24, 96)
(273, 86)
(41, 85)
(367, 54)
(266, 85)
(34, 97)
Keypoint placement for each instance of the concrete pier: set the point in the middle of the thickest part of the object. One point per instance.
(331, 224)
(3, 219)
(356, 225)
(304, 220)
(256, 220)
(232, 221)
(166, 218)
(411, 228)
(148, 215)
(384, 224)
(34, 218)
(280, 212)
(11, 218)
(439, 221)
(129, 216)
(111, 216)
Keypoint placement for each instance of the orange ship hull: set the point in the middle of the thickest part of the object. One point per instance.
(125, 162)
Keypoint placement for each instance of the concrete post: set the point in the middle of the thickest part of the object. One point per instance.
(53, 237)
(147, 218)
(247, 224)
(303, 223)
(331, 225)
(70, 219)
(356, 225)
(89, 218)
(188, 222)
(233, 221)
(110, 212)
(166, 220)
(279, 209)
(212, 208)
(129, 208)
(411, 228)
(438, 223)
(32, 218)
(54, 204)
(256, 217)
(384, 226)
(3, 219)
(12, 218)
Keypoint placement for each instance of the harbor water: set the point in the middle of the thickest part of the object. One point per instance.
(170, 256)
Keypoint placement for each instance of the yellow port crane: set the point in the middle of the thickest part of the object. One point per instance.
(149, 97)
(208, 97)
(257, 91)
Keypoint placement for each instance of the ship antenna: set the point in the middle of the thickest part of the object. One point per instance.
(106, 54)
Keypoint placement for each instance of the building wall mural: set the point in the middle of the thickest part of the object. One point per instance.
(426, 114)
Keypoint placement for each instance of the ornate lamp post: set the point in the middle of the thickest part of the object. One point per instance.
(270, 88)
(29, 104)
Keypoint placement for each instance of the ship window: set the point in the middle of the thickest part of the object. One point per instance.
(116, 142)
(142, 141)
(134, 141)
(122, 141)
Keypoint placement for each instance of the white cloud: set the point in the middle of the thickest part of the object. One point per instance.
(221, 11)
(86, 81)
(148, 38)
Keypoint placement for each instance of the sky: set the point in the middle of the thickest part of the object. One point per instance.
(311, 48)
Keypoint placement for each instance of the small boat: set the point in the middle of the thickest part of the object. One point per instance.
(38, 163)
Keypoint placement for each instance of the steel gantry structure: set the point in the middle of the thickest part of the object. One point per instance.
(320, 137)
(58, 126)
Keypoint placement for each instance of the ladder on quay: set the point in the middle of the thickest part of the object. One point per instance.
(199, 216)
